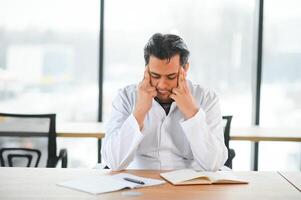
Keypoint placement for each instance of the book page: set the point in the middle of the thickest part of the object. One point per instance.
(222, 177)
(191, 177)
(180, 176)
(196, 181)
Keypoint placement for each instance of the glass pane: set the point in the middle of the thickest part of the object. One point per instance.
(281, 81)
(279, 156)
(219, 35)
(49, 63)
(49, 57)
(81, 151)
(241, 161)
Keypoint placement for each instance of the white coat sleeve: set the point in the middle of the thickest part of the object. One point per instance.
(204, 132)
(123, 135)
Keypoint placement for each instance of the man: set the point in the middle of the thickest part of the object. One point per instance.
(165, 122)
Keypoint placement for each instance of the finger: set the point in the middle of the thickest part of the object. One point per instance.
(185, 85)
(183, 74)
(179, 74)
(173, 96)
(181, 79)
(154, 93)
(151, 89)
(175, 91)
(146, 74)
(146, 79)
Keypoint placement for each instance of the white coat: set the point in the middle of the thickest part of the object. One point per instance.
(165, 142)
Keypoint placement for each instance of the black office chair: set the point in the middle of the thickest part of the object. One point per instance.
(29, 128)
(231, 152)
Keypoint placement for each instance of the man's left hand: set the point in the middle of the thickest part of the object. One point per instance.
(183, 98)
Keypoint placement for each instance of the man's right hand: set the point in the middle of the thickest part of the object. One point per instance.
(146, 93)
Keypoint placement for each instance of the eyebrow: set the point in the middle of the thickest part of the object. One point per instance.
(153, 73)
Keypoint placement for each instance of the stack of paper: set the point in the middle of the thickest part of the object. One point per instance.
(102, 184)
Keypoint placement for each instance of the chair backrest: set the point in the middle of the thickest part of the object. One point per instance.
(33, 157)
(227, 127)
(27, 126)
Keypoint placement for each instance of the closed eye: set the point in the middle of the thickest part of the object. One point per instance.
(155, 76)
(172, 77)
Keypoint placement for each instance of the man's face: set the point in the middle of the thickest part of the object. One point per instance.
(164, 76)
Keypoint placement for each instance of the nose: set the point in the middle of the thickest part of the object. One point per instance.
(162, 84)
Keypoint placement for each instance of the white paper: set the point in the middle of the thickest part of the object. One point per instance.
(103, 184)
(147, 181)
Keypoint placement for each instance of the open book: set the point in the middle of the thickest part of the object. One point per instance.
(191, 177)
(102, 184)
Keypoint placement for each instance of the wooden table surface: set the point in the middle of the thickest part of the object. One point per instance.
(80, 129)
(258, 133)
(40, 183)
(252, 133)
(294, 178)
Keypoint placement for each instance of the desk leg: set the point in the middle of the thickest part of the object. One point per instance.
(98, 150)
(254, 156)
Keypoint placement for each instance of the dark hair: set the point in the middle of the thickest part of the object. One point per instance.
(165, 47)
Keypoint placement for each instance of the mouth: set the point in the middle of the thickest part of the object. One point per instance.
(163, 92)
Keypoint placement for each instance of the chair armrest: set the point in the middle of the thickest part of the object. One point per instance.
(231, 154)
(63, 155)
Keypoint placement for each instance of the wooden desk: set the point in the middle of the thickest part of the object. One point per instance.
(82, 130)
(293, 178)
(255, 134)
(40, 183)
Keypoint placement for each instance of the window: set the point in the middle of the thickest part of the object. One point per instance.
(281, 81)
(49, 57)
(49, 60)
(219, 36)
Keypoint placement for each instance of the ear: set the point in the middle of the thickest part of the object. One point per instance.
(186, 67)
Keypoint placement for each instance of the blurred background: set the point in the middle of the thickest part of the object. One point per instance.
(50, 62)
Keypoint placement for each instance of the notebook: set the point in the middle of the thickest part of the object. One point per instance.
(192, 177)
(103, 184)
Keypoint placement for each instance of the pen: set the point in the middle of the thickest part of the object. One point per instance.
(133, 180)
